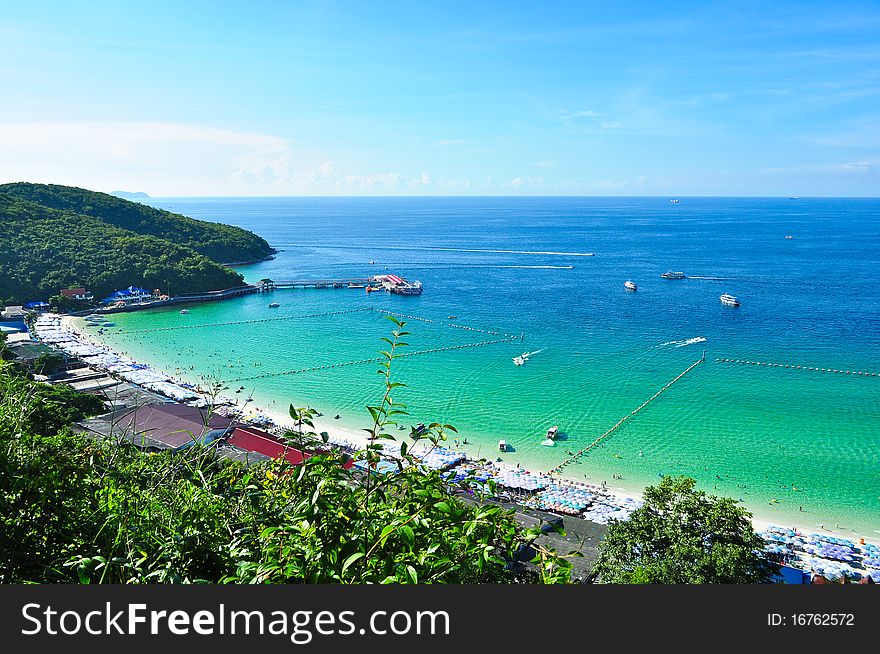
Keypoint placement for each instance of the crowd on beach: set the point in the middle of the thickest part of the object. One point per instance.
(821, 554)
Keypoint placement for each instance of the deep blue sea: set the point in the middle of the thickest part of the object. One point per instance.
(791, 443)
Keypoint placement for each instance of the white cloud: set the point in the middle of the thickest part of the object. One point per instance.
(423, 180)
(519, 182)
(173, 159)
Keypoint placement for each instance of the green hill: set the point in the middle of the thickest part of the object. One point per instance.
(222, 243)
(45, 249)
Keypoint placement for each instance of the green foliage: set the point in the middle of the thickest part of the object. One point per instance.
(47, 249)
(79, 510)
(5, 353)
(221, 243)
(47, 363)
(684, 536)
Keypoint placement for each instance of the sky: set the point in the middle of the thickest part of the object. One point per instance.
(443, 98)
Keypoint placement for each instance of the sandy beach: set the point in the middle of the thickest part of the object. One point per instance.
(359, 439)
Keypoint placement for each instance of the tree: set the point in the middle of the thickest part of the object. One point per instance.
(5, 353)
(48, 363)
(684, 536)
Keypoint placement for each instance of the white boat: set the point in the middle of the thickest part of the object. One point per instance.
(729, 300)
(669, 274)
(630, 286)
(674, 200)
(184, 311)
(356, 286)
(552, 433)
(274, 305)
(502, 446)
(518, 360)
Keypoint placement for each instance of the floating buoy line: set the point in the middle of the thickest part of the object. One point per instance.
(574, 457)
(375, 359)
(793, 366)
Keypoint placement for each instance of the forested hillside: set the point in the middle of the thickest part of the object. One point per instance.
(221, 243)
(43, 249)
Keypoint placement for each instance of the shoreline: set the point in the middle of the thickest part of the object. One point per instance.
(358, 438)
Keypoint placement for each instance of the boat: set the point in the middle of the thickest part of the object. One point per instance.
(672, 275)
(502, 446)
(184, 311)
(630, 286)
(788, 236)
(452, 317)
(518, 360)
(552, 433)
(274, 305)
(372, 262)
(356, 286)
(674, 200)
(729, 300)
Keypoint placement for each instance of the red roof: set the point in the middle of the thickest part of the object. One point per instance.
(174, 425)
(257, 440)
(71, 292)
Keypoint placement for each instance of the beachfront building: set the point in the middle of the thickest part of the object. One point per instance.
(38, 306)
(130, 295)
(15, 313)
(78, 294)
(169, 426)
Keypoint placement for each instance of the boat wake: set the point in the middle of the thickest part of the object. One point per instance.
(522, 358)
(441, 249)
(548, 443)
(712, 279)
(683, 343)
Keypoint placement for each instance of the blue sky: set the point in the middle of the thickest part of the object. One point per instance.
(420, 98)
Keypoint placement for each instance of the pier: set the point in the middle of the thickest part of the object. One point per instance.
(390, 283)
(792, 366)
(574, 457)
(271, 285)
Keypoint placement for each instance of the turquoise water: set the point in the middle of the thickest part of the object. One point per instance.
(780, 439)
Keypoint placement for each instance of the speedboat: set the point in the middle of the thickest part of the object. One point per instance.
(184, 311)
(630, 286)
(502, 446)
(552, 433)
(674, 200)
(729, 300)
(356, 286)
(672, 275)
(274, 305)
(519, 360)
(452, 317)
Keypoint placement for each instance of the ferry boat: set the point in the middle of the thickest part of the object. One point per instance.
(274, 305)
(184, 311)
(552, 433)
(729, 300)
(630, 286)
(672, 275)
